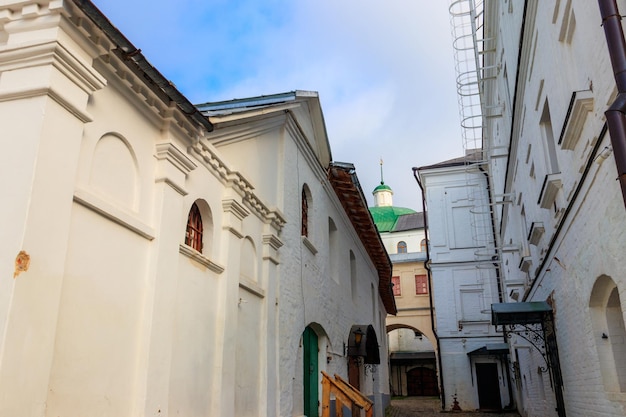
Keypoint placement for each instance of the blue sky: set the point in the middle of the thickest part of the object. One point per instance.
(384, 70)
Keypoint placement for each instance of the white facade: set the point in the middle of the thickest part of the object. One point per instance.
(465, 284)
(548, 149)
(104, 307)
(412, 341)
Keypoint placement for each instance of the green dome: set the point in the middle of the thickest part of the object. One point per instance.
(385, 217)
(381, 187)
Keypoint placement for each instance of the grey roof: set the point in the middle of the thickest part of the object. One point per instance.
(409, 221)
(242, 104)
(472, 156)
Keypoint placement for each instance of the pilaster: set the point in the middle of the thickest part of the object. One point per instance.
(154, 366)
(232, 225)
(45, 84)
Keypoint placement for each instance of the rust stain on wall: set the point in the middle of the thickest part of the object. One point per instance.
(22, 262)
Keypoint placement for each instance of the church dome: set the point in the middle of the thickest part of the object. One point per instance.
(382, 187)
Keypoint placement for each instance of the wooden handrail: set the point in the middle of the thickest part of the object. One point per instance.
(344, 394)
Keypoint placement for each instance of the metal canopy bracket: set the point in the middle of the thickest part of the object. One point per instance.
(534, 322)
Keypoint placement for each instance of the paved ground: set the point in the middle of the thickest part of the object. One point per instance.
(431, 407)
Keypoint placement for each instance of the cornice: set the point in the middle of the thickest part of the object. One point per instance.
(233, 206)
(209, 159)
(200, 258)
(168, 151)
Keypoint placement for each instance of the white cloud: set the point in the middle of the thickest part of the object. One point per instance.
(384, 70)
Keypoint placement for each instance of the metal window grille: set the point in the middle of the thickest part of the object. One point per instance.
(193, 235)
(305, 214)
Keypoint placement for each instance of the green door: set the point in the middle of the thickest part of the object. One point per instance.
(310, 373)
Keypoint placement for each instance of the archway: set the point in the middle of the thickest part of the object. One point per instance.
(413, 363)
(609, 332)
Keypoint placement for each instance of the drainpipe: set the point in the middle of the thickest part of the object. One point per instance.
(616, 114)
(430, 291)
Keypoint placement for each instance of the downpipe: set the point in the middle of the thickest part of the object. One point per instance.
(616, 114)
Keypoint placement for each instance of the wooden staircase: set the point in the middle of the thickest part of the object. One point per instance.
(345, 394)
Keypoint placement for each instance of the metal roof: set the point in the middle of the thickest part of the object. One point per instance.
(342, 177)
(409, 221)
(490, 349)
(530, 312)
(138, 63)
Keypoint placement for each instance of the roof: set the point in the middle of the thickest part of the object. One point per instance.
(220, 108)
(382, 187)
(138, 63)
(386, 217)
(303, 106)
(472, 156)
(342, 177)
(409, 221)
(490, 349)
(531, 312)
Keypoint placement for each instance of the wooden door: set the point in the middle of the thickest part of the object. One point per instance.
(422, 381)
(311, 378)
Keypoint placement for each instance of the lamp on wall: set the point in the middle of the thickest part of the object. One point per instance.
(358, 336)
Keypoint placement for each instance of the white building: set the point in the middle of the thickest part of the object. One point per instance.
(548, 87)
(161, 261)
(412, 340)
(464, 275)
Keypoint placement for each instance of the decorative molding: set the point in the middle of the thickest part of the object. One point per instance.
(57, 55)
(180, 190)
(190, 252)
(581, 104)
(309, 244)
(53, 54)
(170, 152)
(210, 159)
(233, 206)
(252, 287)
(273, 241)
(271, 244)
(551, 186)
(108, 210)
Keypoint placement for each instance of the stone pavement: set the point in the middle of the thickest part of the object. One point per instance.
(431, 407)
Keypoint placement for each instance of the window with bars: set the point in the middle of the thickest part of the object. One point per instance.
(421, 284)
(193, 234)
(395, 281)
(305, 214)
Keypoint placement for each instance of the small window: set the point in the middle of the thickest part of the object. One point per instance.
(421, 284)
(395, 281)
(423, 245)
(193, 235)
(402, 247)
(305, 214)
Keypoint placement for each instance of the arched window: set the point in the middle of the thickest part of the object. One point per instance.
(305, 213)
(193, 234)
(423, 245)
(402, 247)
